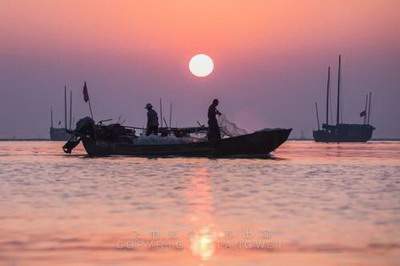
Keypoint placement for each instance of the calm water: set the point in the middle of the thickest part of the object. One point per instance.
(313, 204)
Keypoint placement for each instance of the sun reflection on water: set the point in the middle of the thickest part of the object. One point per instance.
(199, 196)
(202, 243)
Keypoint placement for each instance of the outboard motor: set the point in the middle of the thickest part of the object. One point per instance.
(84, 127)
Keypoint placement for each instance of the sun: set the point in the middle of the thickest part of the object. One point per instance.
(201, 65)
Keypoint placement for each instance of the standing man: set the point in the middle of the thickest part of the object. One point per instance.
(214, 133)
(152, 120)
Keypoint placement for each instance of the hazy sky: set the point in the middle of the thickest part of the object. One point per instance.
(271, 59)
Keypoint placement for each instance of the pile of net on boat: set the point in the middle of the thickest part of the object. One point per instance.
(229, 128)
(164, 140)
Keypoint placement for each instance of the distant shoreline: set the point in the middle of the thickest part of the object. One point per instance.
(377, 139)
(27, 139)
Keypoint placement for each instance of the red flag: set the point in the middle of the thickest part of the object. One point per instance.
(85, 93)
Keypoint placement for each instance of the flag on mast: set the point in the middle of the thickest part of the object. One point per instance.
(87, 99)
(85, 93)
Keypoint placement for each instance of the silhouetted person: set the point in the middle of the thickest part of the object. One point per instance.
(152, 120)
(214, 133)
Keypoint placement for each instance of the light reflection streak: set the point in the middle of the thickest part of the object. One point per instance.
(199, 198)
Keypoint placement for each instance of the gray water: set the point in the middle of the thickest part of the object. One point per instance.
(311, 204)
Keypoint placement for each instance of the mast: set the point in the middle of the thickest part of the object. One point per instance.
(161, 117)
(365, 108)
(65, 107)
(316, 112)
(170, 115)
(51, 116)
(328, 83)
(369, 106)
(70, 110)
(338, 92)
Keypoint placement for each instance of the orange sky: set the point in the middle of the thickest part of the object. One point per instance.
(183, 27)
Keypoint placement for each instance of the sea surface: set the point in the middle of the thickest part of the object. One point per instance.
(310, 204)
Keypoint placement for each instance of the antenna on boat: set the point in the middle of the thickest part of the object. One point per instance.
(51, 116)
(338, 91)
(316, 112)
(170, 115)
(65, 106)
(70, 110)
(369, 106)
(328, 84)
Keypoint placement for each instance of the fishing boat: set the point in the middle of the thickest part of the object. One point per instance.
(115, 139)
(342, 132)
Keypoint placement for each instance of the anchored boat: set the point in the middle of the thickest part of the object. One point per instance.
(61, 133)
(115, 139)
(342, 132)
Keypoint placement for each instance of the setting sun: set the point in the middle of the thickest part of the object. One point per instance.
(201, 65)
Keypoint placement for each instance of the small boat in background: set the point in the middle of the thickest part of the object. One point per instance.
(342, 132)
(61, 133)
(115, 139)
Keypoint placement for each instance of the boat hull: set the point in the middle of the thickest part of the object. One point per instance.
(259, 143)
(344, 133)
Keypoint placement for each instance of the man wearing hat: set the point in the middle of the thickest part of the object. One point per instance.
(152, 120)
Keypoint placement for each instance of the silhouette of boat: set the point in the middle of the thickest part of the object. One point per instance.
(61, 133)
(58, 134)
(101, 140)
(342, 132)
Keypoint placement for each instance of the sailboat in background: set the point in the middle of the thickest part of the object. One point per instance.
(344, 132)
(61, 133)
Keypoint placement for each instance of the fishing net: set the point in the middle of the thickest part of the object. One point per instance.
(159, 140)
(229, 128)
